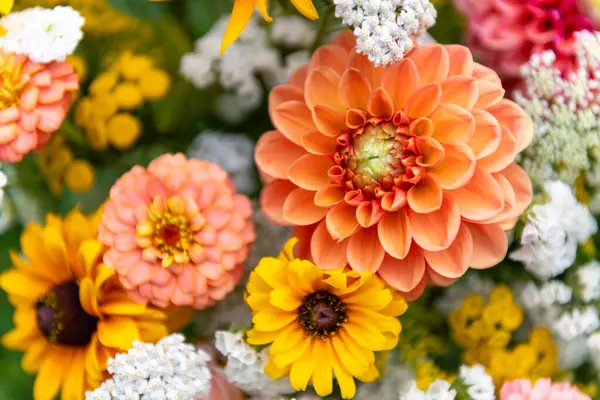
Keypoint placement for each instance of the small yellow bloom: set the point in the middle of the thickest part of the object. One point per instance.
(321, 324)
(123, 130)
(103, 106)
(96, 134)
(79, 176)
(243, 10)
(155, 83)
(104, 83)
(6, 6)
(133, 67)
(501, 294)
(79, 65)
(128, 96)
(83, 112)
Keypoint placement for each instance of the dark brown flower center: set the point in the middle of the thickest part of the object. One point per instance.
(322, 313)
(62, 320)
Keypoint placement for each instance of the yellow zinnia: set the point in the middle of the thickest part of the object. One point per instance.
(321, 324)
(72, 314)
(243, 10)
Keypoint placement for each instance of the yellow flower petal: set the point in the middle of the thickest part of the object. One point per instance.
(28, 268)
(287, 254)
(302, 370)
(74, 383)
(87, 297)
(33, 247)
(23, 286)
(287, 339)
(273, 372)
(374, 299)
(151, 332)
(285, 299)
(6, 6)
(272, 272)
(322, 377)
(240, 16)
(90, 252)
(118, 332)
(349, 361)
(34, 355)
(282, 360)
(272, 320)
(124, 307)
(52, 372)
(56, 248)
(262, 8)
(258, 338)
(22, 337)
(345, 380)
(307, 8)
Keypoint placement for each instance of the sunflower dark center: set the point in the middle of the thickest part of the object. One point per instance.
(62, 320)
(322, 313)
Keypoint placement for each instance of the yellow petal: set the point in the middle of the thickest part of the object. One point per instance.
(52, 372)
(287, 254)
(348, 360)
(32, 245)
(6, 6)
(21, 338)
(273, 372)
(118, 332)
(307, 8)
(240, 16)
(372, 299)
(258, 338)
(323, 372)
(90, 252)
(272, 320)
(23, 286)
(87, 297)
(302, 370)
(262, 8)
(34, 355)
(152, 331)
(56, 248)
(122, 308)
(285, 298)
(29, 268)
(283, 359)
(74, 383)
(287, 339)
(345, 380)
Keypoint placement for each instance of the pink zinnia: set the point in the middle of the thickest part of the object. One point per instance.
(34, 100)
(544, 389)
(177, 232)
(505, 33)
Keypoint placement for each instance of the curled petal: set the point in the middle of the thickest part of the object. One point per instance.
(461, 60)
(329, 195)
(317, 143)
(369, 213)
(381, 104)
(460, 90)
(294, 120)
(503, 156)
(514, 118)
(425, 196)
(489, 94)
(487, 134)
(328, 121)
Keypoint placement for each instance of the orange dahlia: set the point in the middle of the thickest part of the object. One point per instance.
(34, 100)
(177, 232)
(405, 170)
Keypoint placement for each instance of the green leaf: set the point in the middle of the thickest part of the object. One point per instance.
(202, 14)
(141, 8)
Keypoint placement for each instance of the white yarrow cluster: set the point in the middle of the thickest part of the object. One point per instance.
(588, 277)
(480, 385)
(576, 323)
(438, 390)
(248, 63)
(44, 35)
(168, 370)
(385, 29)
(245, 367)
(553, 232)
(234, 152)
(566, 114)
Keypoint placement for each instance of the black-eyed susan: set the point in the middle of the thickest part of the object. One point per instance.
(321, 324)
(72, 314)
(243, 10)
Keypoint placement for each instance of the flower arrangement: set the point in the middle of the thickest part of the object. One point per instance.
(303, 199)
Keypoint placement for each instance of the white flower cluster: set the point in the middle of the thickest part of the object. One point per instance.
(169, 370)
(575, 323)
(593, 343)
(234, 152)
(385, 29)
(553, 232)
(547, 295)
(245, 367)
(566, 114)
(44, 35)
(588, 276)
(478, 384)
(246, 62)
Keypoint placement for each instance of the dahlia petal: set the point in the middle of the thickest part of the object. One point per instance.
(274, 154)
(432, 62)
(436, 230)
(322, 89)
(489, 94)
(425, 196)
(283, 93)
(365, 252)
(310, 172)
(273, 197)
(317, 143)
(328, 253)
(363, 64)
(329, 122)
(329, 195)
(417, 291)
(369, 213)
(503, 156)
(299, 208)
(406, 273)
(294, 120)
(481, 198)
(508, 193)
(355, 118)
(423, 101)
(457, 167)
(330, 56)
(487, 134)
(489, 244)
(395, 200)
(461, 60)
(346, 40)
(430, 150)
(395, 234)
(298, 77)
(341, 221)
(401, 79)
(486, 74)
(452, 123)
(354, 89)
(454, 261)
(521, 184)
(514, 118)
(439, 280)
(462, 91)
(421, 127)
(381, 104)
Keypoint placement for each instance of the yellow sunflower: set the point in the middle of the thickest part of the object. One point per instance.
(321, 324)
(242, 12)
(72, 314)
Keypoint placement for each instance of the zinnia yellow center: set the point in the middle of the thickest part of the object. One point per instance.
(11, 80)
(169, 231)
(62, 319)
(321, 314)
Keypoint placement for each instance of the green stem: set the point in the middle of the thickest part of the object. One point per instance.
(73, 134)
(322, 32)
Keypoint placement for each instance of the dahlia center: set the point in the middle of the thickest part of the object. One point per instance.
(373, 152)
(321, 314)
(168, 232)
(11, 82)
(62, 319)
